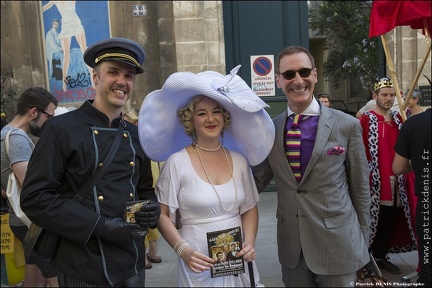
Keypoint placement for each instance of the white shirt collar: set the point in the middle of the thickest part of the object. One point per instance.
(312, 110)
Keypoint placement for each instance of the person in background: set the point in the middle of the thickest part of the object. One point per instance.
(4, 205)
(323, 209)
(371, 104)
(413, 152)
(196, 124)
(325, 99)
(152, 236)
(131, 116)
(98, 248)
(35, 106)
(389, 193)
(413, 103)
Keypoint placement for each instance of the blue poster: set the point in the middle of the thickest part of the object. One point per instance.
(70, 27)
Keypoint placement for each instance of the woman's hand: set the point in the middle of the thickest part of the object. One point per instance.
(196, 261)
(248, 252)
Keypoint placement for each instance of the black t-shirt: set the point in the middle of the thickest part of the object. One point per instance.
(414, 143)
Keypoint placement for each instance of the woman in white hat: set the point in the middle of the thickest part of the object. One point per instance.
(209, 128)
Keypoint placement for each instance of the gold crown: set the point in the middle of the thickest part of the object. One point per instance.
(383, 82)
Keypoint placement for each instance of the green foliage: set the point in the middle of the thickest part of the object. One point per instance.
(345, 24)
(8, 95)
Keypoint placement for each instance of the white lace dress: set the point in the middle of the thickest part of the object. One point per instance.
(179, 187)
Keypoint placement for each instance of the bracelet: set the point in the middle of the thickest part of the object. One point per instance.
(182, 247)
(182, 240)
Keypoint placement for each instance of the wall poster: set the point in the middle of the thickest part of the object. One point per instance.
(69, 28)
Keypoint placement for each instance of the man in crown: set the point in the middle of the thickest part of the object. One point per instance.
(391, 216)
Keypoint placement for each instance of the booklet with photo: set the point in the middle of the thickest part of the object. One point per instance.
(129, 212)
(222, 247)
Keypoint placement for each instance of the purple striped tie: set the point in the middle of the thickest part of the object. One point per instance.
(292, 147)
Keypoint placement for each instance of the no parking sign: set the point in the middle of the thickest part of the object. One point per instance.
(262, 75)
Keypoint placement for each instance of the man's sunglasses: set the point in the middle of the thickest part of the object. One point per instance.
(290, 74)
(46, 113)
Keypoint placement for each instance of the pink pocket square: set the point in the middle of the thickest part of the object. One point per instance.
(336, 150)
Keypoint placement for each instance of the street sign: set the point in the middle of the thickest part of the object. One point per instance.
(262, 75)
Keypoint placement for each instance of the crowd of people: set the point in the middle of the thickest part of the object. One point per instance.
(345, 186)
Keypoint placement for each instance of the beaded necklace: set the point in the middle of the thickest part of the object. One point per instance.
(208, 178)
(209, 149)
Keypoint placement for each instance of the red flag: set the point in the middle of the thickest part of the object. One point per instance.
(386, 15)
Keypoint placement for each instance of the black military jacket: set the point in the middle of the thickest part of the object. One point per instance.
(67, 154)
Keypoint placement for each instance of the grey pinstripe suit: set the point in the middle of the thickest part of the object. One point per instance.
(326, 215)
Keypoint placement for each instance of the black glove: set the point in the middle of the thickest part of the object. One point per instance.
(118, 231)
(149, 215)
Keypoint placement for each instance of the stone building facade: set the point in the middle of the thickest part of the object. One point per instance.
(177, 36)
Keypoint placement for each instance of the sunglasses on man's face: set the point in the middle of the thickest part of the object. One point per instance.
(291, 74)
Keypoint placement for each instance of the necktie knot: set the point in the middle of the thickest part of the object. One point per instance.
(297, 118)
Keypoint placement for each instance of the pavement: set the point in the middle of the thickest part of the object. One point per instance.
(165, 274)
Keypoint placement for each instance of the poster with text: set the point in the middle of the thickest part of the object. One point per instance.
(262, 75)
(69, 28)
(223, 246)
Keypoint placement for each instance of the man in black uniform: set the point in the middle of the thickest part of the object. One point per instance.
(98, 248)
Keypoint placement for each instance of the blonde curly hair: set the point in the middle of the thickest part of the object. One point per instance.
(185, 115)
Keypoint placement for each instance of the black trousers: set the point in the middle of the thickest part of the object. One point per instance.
(386, 225)
(138, 280)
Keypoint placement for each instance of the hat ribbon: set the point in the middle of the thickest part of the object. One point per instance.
(236, 90)
(120, 55)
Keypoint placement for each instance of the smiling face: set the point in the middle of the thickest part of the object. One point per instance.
(208, 120)
(114, 84)
(299, 90)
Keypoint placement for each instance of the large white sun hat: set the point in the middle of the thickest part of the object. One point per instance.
(251, 131)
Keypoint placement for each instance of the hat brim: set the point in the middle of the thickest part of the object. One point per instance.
(251, 131)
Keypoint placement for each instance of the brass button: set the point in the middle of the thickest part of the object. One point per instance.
(125, 135)
(100, 198)
(131, 195)
(131, 164)
(100, 164)
(96, 132)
